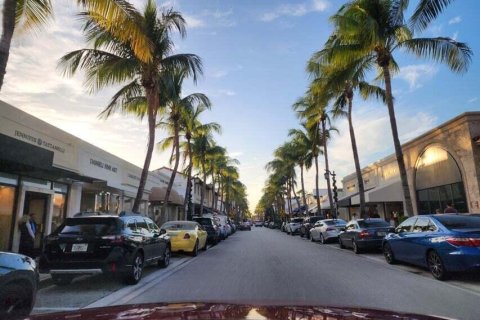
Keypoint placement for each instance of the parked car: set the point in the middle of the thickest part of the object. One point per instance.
(258, 223)
(327, 230)
(186, 236)
(213, 231)
(283, 227)
(294, 226)
(119, 245)
(18, 285)
(443, 243)
(233, 226)
(222, 221)
(308, 224)
(364, 234)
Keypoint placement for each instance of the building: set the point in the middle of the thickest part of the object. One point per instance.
(55, 175)
(443, 166)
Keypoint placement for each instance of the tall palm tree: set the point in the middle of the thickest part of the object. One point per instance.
(338, 82)
(372, 31)
(113, 60)
(192, 127)
(214, 154)
(28, 15)
(175, 105)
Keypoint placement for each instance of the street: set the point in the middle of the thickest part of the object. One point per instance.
(265, 266)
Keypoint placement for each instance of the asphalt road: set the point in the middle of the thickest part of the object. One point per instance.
(266, 266)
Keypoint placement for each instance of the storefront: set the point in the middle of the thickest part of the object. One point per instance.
(443, 167)
(53, 174)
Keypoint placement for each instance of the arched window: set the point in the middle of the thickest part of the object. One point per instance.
(438, 182)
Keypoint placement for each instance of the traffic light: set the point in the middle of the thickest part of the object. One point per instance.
(335, 193)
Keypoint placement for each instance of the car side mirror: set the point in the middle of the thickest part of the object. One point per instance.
(163, 231)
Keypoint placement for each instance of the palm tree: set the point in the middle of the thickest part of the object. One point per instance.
(28, 15)
(371, 31)
(339, 82)
(113, 60)
(171, 87)
(192, 127)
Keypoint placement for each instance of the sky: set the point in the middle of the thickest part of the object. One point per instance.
(254, 55)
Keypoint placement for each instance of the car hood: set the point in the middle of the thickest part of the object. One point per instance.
(226, 311)
(15, 261)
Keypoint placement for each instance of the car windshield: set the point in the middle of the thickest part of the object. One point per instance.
(178, 226)
(267, 152)
(89, 227)
(459, 222)
(373, 224)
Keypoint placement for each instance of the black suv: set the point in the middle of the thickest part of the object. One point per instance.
(118, 245)
(308, 224)
(213, 231)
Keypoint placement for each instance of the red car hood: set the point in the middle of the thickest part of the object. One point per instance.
(225, 311)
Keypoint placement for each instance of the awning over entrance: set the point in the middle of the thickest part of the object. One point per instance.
(158, 195)
(391, 192)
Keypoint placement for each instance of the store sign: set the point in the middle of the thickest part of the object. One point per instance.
(103, 165)
(39, 141)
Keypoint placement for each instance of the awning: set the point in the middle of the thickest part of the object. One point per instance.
(325, 204)
(346, 201)
(312, 209)
(392, 192)
(158, 195)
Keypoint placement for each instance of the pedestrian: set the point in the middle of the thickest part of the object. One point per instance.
(392, 219)
(28, 230)
(450, 209)
(354, 216)
(437, 211)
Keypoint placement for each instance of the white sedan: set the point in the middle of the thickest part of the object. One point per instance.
(328, 229)
(294, 226)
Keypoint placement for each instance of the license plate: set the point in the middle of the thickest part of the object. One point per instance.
(79, 247)
(381, 233)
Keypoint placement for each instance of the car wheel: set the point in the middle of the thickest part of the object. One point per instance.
(356, 249)
(62, 280)
(340, 243)
(436, 266)
(136, 271)
(195, 249)
(322, 239)
(205, 247)
(388, 254)
(15, 301)
(311, 238)
(166, 258)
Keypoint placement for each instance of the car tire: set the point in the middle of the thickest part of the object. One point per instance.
(322, 239)
(15, 301)
(195, 249)
(436, 266)
(205, 247)
(166, 258)
(388, 254)
(136, 270)
(355, 247)
(62, 280)
(340, 243)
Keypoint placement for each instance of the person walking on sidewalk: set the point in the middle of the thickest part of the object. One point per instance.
(28, 230)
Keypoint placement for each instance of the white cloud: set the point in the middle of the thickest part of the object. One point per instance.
(229, 93)
(474, 99)
(413, 74)
(455, 20)
(295, 10)
(193, 22)
(455, 36)
(219, 73)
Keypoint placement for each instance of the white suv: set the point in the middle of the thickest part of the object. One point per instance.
(294, 226)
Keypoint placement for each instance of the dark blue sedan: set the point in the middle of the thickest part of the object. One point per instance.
(444, 243)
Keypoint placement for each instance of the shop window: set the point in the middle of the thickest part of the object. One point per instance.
(58, 215)
(7, 196)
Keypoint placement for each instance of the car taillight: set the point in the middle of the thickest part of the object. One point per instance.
(364, 234)
(186, 236)
(116, 239)
(464, 242)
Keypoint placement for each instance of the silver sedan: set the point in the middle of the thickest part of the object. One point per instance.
(328, 229)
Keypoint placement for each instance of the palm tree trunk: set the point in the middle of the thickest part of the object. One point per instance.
(294, 193)
(325, 153)
(303, 188)
(188, 191)
(176, 148)
(213, 185)
(358, 170)
(289, 199)
(316, 184)
(396, 142)
(204, 188)
(153, 103)
(8, 28)
(222, 187)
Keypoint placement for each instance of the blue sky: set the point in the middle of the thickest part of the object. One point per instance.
(254, 54)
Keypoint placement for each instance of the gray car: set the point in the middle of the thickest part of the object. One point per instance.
(327, 230)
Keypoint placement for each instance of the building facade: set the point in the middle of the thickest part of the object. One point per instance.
(443, 167)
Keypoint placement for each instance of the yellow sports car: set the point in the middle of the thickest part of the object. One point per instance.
(187, 236)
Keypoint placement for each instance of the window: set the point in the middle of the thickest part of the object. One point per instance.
(142, 226)
(89, 227)
(7, 197)
(350, 227)
(459, 222)
(422, 225)
(132, 225)
(373, 223)
(152, 226)
(406, 226)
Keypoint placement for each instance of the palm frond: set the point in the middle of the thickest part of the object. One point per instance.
(426, 11)
(32, 15)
